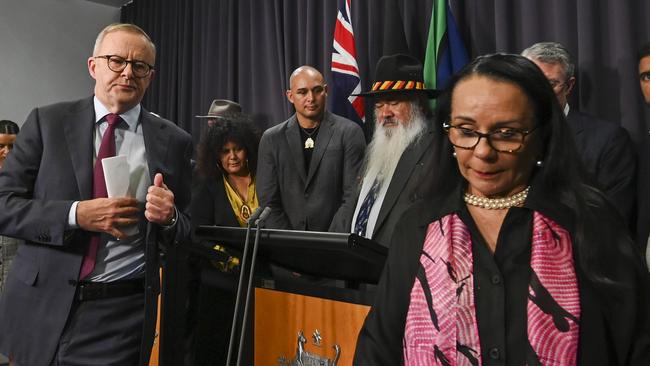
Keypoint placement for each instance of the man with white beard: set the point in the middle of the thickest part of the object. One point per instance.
(399, 165)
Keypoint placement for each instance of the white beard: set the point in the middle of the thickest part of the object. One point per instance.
(388, 144)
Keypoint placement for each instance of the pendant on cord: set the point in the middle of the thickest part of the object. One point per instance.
(245, 212)
(309, 143)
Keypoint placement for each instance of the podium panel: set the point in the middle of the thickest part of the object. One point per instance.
(289, 325)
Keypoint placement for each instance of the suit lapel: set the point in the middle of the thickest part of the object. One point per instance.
(322, 140)
(78, 128)
(156, 141)
(294, 142)
(402, 174)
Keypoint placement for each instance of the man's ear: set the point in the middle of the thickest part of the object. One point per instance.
(289, 95)
(91, 66)
(569, 84)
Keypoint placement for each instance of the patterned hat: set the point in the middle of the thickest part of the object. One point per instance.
(398, 74)
(221, 108)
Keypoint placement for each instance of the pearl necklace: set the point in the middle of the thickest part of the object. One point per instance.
(497, 203)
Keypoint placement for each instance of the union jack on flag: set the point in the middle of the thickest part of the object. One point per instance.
(345, 72)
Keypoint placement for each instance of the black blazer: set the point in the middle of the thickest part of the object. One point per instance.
(643, 213)
(414, 178)
(609, 158)
(210, 205)
(50, 168)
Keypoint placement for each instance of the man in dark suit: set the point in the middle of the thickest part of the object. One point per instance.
(643, 222)
(308, 165)
(82, 289)
(400, 162)
(605, 148)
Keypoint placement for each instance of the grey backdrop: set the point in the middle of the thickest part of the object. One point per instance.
(44, 45)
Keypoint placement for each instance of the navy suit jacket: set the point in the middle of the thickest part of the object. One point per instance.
(49, 168)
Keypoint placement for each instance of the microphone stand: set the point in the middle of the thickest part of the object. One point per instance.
(252, 220)
(258, 224)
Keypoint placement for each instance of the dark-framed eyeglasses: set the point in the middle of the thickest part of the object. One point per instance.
(557, 84)
(503, 139)
(116, 63)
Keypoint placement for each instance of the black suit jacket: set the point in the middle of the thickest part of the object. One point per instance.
(416, 176)
(210, 205)
(643, 215)
(50, 167)
(609, 158)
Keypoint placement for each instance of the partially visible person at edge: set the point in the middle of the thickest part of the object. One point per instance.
(8, 246)
(643, 214)
(83, 287)
(223, 194)
(605, 148)
(517, 261)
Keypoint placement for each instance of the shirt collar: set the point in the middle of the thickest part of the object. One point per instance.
(130, 117)
(566, 109)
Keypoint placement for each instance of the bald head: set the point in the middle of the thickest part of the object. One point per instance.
(308, 94)
(307, 71)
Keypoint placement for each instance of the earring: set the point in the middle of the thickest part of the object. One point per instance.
(539, 163)
(453, 153)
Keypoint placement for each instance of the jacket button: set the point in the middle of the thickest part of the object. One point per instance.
(494, 353)
(496, 279)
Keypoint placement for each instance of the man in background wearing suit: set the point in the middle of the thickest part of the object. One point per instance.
(400, 162)
(82, 289)
(643, 223)
(605, 148)
(308, 165)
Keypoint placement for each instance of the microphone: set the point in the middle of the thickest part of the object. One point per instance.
(258, 225)
(252, 220)
(258, 211)
(263, 216)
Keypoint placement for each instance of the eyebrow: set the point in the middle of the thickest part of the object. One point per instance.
(499, 124)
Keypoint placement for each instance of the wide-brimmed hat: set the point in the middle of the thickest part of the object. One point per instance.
(221, 108)
(399, 73)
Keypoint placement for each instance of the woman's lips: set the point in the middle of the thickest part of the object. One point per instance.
(485, 175)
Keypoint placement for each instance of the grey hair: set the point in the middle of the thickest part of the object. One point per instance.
(551, 53)
(125, 27)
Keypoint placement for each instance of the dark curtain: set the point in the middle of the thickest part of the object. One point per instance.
(244, 50)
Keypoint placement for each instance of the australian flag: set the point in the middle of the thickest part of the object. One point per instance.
(345, 72)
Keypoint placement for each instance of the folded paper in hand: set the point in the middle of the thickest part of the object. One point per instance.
(117, 177)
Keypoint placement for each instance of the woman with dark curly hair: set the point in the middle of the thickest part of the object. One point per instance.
(224, 191)
(223, 194)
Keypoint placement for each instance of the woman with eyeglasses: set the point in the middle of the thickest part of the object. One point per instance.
(516, 262)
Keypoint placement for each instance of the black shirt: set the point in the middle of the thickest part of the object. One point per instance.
(501, 287)
(306, 133)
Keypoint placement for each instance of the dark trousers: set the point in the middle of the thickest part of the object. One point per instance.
(102, 332)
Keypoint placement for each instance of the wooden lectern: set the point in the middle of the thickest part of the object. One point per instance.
(307, 321)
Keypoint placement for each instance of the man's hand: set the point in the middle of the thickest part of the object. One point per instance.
(160, 202)
(108, 215)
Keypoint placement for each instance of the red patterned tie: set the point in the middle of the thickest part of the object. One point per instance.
(106, 150)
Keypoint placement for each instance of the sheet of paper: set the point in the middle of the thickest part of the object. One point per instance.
(116, 175)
